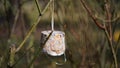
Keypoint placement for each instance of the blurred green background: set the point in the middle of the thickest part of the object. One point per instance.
(86, 44)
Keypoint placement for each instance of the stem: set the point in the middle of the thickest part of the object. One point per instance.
(109, 30)
(14, 24)
(37, 4)
(101, 19)
(108, 16)
(114, 54)
(112, 48)
(46, 7)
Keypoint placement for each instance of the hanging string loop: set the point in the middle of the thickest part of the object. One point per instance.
(52, 21)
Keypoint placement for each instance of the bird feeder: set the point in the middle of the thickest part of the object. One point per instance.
(53, 41)
(55, 44)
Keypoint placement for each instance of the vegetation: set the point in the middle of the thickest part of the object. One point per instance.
(92, 31)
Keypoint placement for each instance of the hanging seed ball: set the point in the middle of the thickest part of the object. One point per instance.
(55, 45)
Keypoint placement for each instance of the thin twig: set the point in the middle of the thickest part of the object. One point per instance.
(108, 17)
(112, 48)
(6, 16)
(15, 21)
(46, 7)
(109, 30)
(37, 4)
(107, 34)
(91, 15)
(101, 19)
(116, 18)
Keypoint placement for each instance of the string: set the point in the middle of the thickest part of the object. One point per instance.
(52, 21)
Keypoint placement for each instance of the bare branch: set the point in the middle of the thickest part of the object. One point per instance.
(32, 28)
(91, 15)
(115, 19)
(101, 19)
(37, 4)
(110, 38)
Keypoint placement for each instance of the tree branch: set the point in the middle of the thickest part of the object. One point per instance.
(113, 20)
(91, 15)
(37, 4)
(32, 28)
(109, 30)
